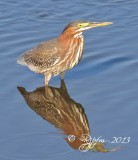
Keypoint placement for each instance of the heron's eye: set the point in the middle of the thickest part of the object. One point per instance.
(80, 25)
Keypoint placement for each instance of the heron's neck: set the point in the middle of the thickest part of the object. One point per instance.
(67, 37)
(78, 35)
(69, 41)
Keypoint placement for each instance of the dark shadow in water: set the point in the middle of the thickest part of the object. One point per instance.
(56, 106)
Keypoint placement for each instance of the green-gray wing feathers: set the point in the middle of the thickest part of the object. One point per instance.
(44, 55)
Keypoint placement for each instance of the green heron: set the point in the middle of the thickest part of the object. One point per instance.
(60, 54)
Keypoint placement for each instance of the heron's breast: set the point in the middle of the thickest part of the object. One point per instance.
(74, 53)
(71, 57)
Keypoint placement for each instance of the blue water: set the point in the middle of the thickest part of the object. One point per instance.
(104, 82)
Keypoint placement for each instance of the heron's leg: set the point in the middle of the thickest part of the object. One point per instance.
(62, 75)
(47, 79)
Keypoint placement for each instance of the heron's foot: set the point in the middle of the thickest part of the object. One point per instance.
(62, 75)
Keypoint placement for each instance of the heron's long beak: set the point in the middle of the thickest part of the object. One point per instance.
(99, 24)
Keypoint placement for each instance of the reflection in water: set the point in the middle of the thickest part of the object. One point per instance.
(55, 106)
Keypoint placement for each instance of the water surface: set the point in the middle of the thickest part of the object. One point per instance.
(104, 83)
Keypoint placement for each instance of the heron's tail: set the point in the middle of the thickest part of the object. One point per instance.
(21, 60)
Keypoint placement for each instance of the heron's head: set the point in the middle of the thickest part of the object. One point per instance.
(80, 26)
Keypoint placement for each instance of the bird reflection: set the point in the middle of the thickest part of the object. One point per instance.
(57, 107)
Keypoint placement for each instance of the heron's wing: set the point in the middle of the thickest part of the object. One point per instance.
(44, 55)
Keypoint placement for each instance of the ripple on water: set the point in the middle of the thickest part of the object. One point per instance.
(27, 145)
(104, 82)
